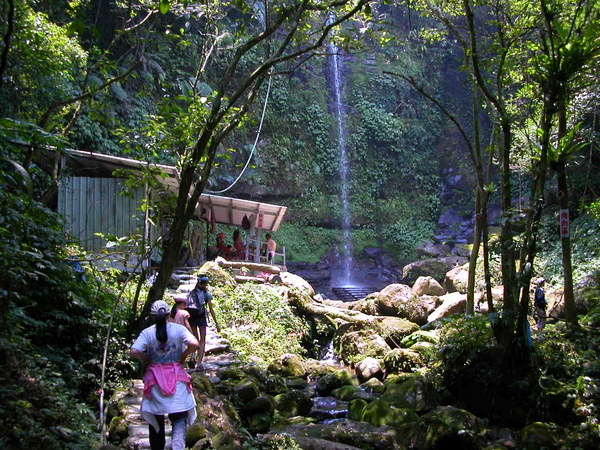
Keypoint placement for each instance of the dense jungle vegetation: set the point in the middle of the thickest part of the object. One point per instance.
(503, 94)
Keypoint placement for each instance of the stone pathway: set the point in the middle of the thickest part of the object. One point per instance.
(217, 355)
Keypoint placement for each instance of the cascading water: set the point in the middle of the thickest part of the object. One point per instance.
(344, 167)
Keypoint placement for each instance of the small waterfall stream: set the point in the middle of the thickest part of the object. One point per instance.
(344, 166)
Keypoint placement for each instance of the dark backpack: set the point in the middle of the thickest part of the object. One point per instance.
(196, 300)
(540, 298)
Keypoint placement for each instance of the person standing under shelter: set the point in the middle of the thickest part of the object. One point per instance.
(198, 302)
(238, 244)
(539, 300)
(167, 385)
(271, 248)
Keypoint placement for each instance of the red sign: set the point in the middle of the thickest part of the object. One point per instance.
(259, 220)
(564, 223)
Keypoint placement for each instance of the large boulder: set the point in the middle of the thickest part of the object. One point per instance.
(403, 360)
(457, 279)
(288, 365)
(429, 249)
(428, 286)
(353, 346)
(293, 403)
(454, 303)
(397, 300)
(334, 380)
(368, 368)
(392, 329)
(341, 435)
(449, 427)
(296, 282)
(415, 393)
(436, 268)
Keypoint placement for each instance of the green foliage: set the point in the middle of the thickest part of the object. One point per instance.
(402, 237)
(462, 340)
(306, 244)
(260, 326)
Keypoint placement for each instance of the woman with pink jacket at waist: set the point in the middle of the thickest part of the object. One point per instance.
(167, 385)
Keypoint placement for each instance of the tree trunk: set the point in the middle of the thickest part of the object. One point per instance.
(565, 240)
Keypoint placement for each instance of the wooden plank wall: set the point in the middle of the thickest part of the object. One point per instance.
(95, 205)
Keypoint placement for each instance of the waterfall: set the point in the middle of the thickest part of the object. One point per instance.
(344, 169)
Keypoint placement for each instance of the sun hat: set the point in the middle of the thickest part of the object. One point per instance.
(159, 307)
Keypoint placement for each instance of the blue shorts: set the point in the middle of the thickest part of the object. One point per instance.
(196, 319)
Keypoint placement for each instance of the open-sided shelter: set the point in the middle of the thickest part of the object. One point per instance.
(94, 202)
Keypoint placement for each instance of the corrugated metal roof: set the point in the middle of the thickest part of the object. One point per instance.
(224, 210)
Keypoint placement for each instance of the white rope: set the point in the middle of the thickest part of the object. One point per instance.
(253, 146)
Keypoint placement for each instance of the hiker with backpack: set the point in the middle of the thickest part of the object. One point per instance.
(539, 300)
(197, 304)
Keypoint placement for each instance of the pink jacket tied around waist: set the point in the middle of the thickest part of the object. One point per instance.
(166, 377)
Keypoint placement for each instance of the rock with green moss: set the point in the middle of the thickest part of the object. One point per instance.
(342, 434)
(247, 389)
(449, 427)
(380, 413)
(356, 408)
(420, 336)
(195, 433)
(354, 346)
(393, 329)
(260, 422)
(287, 365)
(274, 385)
(118, 429)
(293, 403)
(347, 393)
(403, 360)
(414, 392)
(296, 383)
(202, 384)
(263, 404)
(426, 349)
(537, 435)
(327, 383)
(219, 277)
(373, 386)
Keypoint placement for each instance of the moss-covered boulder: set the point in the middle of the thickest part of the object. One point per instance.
(348, 393)
(288, 365)
(247, 389)
(195, 433)
(274, 385)
(260, 423)
(403, 360)
(415, 393)
(356, 408)
(219, 277)
(342, 434)
(327, 383)
(293, 403)
(537, 435)
(449, 427)
(373, 386)
(393, 329)
(354, 346)
(263, 404)
(380, 413)
(427, 350)
(435, 268)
